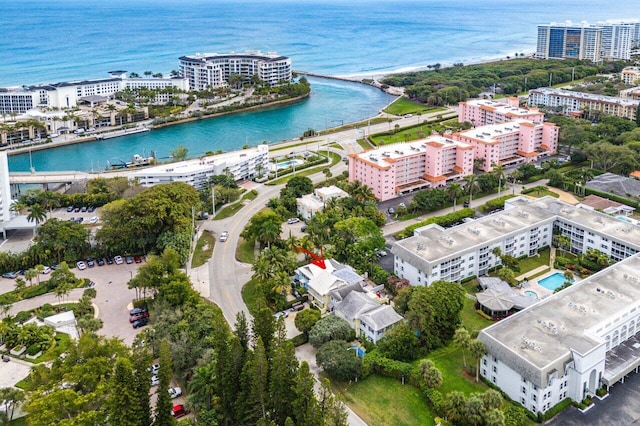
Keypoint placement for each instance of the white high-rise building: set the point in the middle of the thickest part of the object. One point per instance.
(616, 40)
(569, 41)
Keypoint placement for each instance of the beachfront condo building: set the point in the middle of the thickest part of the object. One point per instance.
(608, 40)
(570, 344)
(587, 105)
(482, 112)
(5, 188)
(510, 143)
(69, 94)
(393, 170)
(569, 40)
(210, 70)
(242, 164)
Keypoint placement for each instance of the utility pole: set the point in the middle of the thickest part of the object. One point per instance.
(213, 201)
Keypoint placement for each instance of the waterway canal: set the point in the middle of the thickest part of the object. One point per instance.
(331, 103)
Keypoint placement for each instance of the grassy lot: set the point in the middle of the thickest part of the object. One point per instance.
(472, 321)
(382, 401)
(530, 263)
(253, 297)
(363, 123)
(405, 134)
(307, 172)
(449, 361)
(364, 144)
(538, 193)
(204, 249)
(245, 251)
(250, 196)
(335, 145)
(62, 345)
(403, 105)
(229, 210)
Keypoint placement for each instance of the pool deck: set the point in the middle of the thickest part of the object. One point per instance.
(533, 285)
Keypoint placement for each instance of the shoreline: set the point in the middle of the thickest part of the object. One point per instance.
(93, 138)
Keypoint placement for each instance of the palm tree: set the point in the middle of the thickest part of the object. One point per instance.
(202, 386)
(498, 171)
(477, 350)
(30, 274)
(454, 190)
(471, 185)
(462, 338)
(564, 243)
(36, 214)
(327, 173)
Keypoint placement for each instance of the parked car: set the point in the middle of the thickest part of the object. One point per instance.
(94, 219)
(100, 261)
(137, 310)
(466, 204)
(81, 265)
(141, 322)
(224, 236)
(70, 209)
(10, 275)
(303, 228)
(56, 266)
(90, 209)
(129, 260)
(118, 260)
(155, 381)
(80, 219)
(381, 252)
(154, 369)
(76, 209)
(391, 210)
(138, 316)
(281, 314)
(72, 219)
(175, 392)
(91, 262)
(46, 270)
(179, 411)
(109, 260)
(137, 259)
(293, 220)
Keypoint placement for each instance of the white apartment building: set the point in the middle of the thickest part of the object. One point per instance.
(616, 40)
(209, 70)
(571, 343)
(310, 204)
(243, 164)
(583, 103)
(68, 94)
(434, 253)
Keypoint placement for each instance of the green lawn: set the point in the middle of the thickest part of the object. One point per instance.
(204, 249)
(542, 193)
(307, 172)
(252, 297)
(364, 144)
(530, 263)
(245, 250)
(384, 401)
(349, 126)
(403, 105)
(250, 196)
(449, 361)
(229, 210)
(470, 318)
(405, 134)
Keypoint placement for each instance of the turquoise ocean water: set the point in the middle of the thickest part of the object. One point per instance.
(45, 41)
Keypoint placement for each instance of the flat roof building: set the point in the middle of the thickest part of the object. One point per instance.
(209, 70)
(569, 40)
(400, 168)
(483, 112)
(586, 104)
(243, 164)
(511, 142)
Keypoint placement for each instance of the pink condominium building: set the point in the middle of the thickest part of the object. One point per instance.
(393, 170)
(482, 112)
(514, 142)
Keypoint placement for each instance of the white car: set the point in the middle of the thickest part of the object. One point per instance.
(293, 220)
(81, 265)
(46, 270)
(155, 380)
(174, 392)
(94, 219)
(118, 260)
(224, 236)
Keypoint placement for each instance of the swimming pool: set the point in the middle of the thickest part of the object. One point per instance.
(289, 163)
(553, 281)
(531, 294)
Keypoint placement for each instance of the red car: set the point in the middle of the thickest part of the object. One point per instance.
(139, 315)
(137, 259)
(179, 411)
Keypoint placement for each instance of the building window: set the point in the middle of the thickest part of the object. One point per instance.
(495, 369)
(524, 390)
(535, 397)
(484, 361)
(493, 379)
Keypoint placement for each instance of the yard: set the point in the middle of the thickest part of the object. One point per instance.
(530, 263)
(395, 135)
(450, 363)
(382, 401)
(204, 249)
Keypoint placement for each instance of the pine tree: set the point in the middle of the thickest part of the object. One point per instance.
(141, 361)
(305, 404)
(283, 369)
(164, 405)
(257, 375)
(123, 394)
(263, 328)
(242, 330)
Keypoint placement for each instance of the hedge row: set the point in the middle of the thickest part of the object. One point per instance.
(375, 363)
(444, 221)
(496, 203)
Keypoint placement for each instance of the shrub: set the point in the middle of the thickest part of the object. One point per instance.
(330, 328)
(375, 362)
(33, 349)
(338, 361)
(495, 204)
(299, 340)
(445, 220)
(22, 316)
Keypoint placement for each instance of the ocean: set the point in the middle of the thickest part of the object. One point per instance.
(45, 41)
